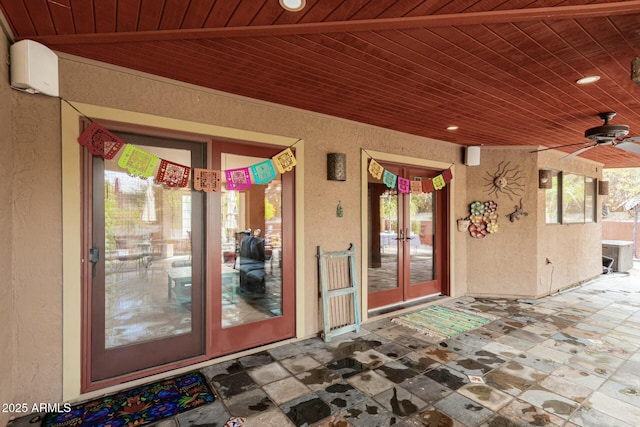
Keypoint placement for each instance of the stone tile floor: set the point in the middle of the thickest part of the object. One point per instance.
(570, 359)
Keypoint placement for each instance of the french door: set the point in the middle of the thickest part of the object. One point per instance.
(173, 276)
(252, 255)
(408, 235)
(145, 279)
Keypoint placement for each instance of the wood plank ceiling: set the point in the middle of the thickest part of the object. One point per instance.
(503, 71)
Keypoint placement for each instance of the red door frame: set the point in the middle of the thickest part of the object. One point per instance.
(230, 340)
(100, 365)
(227, 343)
(404, 291)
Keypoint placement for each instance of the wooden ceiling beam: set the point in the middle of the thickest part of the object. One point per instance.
(401, 23)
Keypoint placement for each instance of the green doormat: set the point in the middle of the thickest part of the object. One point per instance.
(138, 406)
(443, 322)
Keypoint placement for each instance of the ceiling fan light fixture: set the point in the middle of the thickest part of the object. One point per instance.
(293, 5)
(606, 132)
(588, 79)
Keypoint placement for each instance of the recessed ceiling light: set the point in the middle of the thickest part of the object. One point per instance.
(588, 79)
(293, 5)
(452, 127)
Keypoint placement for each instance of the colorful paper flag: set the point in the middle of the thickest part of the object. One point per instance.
(438, 182)
(389, 178)
(100, 142)
(263, 172)
(404, 185)
(427, 186)
(416, 187)
(207, 180)
(238, 179)
(375, 169)
(284, 160)
(138, 162)
(447, 176)
(173, 174)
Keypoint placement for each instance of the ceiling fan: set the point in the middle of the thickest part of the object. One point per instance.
(607, 134)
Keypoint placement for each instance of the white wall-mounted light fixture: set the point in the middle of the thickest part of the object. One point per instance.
(293, 5)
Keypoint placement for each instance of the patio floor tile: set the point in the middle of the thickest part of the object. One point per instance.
(571, 359)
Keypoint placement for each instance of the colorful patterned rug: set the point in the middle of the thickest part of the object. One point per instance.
(138, 406)
(443, 322)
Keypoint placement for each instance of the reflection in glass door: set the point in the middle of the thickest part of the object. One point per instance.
(421, 238)
(383, 265)
(406, 251)
(147, 265)
(251, 253)
(253, 275)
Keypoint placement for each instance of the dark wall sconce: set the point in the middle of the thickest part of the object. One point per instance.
(603, 188)
(337, 167)
(545, 178)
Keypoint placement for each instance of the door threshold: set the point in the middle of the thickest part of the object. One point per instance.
(406, 304)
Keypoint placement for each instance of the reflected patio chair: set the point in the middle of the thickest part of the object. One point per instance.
(179, 280)
(129, 250)
(250, 264)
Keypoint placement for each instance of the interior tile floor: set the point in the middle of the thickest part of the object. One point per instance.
(570, 359)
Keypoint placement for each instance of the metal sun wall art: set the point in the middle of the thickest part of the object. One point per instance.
(505, 180)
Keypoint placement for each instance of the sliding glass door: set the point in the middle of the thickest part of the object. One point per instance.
(147, 280)
(253, 256)
(172, 275)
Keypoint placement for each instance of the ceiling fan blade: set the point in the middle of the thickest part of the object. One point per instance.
(578, 152)
(559, 146)
(629, 145)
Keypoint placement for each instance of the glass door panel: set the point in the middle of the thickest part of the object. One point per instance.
(147, 280)
(422, 238)
(251, 251)
(406, 252)
(253, 261)
(383, 266)
(147, 230)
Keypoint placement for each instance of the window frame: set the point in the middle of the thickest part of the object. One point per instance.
(588, 199)
(554, 217)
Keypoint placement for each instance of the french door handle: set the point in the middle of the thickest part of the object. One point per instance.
(94, 257)
(407, 235)
(401, 237)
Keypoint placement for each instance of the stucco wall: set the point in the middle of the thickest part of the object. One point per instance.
(30, 256)
(37, 232)
(501, 263)
(512, 262)
(7, 332)
(575, 250)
